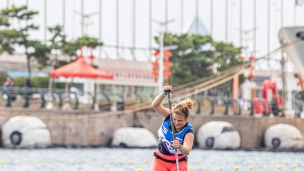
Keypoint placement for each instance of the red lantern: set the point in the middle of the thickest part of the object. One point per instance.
(92, 57)
(167, 73)
(167, 63)
(299, 77)
(155, 63)
(251, 67)
(80, 56)
(167, 54)
(241, 57)
(155, 72)
(301, 81)
(251, 75)
(156, 53)
(251, 58)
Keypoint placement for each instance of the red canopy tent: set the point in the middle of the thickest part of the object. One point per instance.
(79, 68)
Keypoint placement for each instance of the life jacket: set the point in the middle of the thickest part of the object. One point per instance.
(166, 137)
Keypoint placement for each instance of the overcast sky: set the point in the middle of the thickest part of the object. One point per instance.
(142, 36)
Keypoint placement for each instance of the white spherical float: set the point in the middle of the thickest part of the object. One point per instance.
(133, 137)
(218, 135)
(25, 132)
(283, 136)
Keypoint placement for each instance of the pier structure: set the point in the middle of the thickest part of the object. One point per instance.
(98, 130)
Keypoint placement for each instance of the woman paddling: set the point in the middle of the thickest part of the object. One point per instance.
(164, 157)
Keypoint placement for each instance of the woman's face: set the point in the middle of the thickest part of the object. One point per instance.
(179, 121)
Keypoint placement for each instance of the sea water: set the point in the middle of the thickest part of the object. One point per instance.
(119, 159)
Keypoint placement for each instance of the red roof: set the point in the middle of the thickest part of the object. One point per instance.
(80, 68)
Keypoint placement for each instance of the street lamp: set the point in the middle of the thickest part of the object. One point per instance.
(161, 53)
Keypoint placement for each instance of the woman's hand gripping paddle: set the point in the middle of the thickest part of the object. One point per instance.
(172, 129)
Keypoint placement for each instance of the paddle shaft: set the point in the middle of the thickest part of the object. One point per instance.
(173, 129)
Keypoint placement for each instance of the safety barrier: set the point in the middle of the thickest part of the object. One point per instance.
(216, 103)
(113, 101)
(25, 97)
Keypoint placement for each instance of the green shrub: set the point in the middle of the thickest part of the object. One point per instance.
(37, 82)
(2, 78)
(58, 85)
(40, 82)
(19, 81)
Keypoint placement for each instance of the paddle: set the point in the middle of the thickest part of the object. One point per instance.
(173, 129)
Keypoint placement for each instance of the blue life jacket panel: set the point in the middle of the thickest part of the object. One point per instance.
(165, 141)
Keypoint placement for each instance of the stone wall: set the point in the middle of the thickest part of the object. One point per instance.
(98, 131)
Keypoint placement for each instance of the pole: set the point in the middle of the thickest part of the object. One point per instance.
(211, 17)
(50, 84)
(166, 12)
(161, 60)
(150, 26)
(282, 12)
(82, 18)
(294, 14)
(268, 34)
(134, 28)
(182, 15)
(283, 62)
(197, 18)
(173, 130)
(45, 20)
(50, 103)
(100, 25)
(160, 80)
(226, 21)
(117, 29)
(231, 20)
(73, 31)
(254, 26)
(241, 24)
(63, 14)
(235, 93)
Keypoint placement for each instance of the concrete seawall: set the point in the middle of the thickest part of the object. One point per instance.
(98, 131)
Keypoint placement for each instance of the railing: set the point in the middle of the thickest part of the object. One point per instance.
(28, 97)
(39, 98)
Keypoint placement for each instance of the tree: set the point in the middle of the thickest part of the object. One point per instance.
(2, 78)
(196, 56)
(7, 40)
(59, 45)
(34, 49)
(7, 36)
(4, 21)
(88, 42)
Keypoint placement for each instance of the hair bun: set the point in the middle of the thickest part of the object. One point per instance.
(188, 102)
